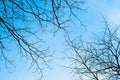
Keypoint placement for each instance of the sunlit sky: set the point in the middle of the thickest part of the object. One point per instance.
(94, 22)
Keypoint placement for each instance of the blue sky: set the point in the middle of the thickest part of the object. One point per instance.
(94, 22)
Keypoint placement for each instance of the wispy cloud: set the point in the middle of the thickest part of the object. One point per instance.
(114, 16)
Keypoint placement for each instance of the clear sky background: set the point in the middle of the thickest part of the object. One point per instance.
(94, 22)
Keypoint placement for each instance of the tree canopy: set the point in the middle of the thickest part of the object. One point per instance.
(22, 20)
(99, 58)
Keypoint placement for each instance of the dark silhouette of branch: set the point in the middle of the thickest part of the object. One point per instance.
(98, 59)
(18, 19)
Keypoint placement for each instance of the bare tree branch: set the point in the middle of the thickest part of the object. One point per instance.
(18, 21)
(98, 59)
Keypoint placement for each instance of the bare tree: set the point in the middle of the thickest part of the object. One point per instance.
(98, 59)
(18, 20)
